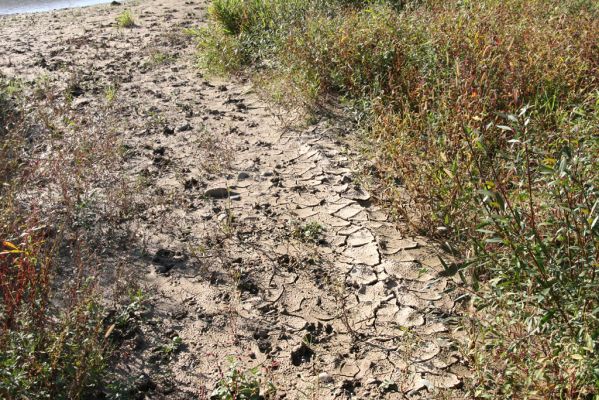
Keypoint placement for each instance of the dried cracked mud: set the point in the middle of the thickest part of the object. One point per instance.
(254, 238)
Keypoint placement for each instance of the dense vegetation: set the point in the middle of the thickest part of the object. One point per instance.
(487, 113)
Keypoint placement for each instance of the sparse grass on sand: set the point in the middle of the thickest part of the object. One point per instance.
(55, 332)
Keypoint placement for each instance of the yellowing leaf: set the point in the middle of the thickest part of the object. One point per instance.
(10, 245)
(109, 331)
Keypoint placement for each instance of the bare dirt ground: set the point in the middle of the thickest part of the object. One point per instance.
(254, 238)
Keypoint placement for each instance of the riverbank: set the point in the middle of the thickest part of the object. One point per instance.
(242, 249)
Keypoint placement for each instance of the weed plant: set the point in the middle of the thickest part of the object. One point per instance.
(239, 384)
(53, 326)
(487, 113)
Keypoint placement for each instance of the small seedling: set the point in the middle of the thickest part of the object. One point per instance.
(110, 93)
(159, 57)
(136, 299)
(310, 232)
(237, 384)
(172, 347)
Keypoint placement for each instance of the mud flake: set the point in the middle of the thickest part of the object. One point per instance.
(415, 384)
(309, 154)
(390, 246)
(294, 303)
(446, 362)
(377, 215)
(273, 295)
(329, 220)
(314, 184)
(436, 327)
(293, 322)
(372, 293)
(408, 317)
(308, 201)
(340, 188)
(312, 173)
(432, 262)
(325, 378)
(445, 304)
(429, 296)
(361, 216)
(406, 270)
(444, 380)
(426, 351)
(339, 171)
(338, 241)
(387, 313)
(349, 369)
(409, 299)
(356, 193)
(405, 256)
(333, 207)
(368, 254)
(398, 361)
(349, 230)
(360, 238)
(349, 211)
(304, 213)
(244, 184)
(362, 315)
(362, 275)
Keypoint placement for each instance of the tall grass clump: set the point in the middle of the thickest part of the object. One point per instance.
(487, 113)
(125, 19)
(53, 333)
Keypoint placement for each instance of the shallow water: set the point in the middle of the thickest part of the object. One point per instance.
(28, 6)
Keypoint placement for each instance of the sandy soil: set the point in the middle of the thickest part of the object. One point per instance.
(228, 239)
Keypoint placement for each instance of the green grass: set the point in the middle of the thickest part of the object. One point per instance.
(125, 19)
(110, 93)
(157, 58)
(487, 112)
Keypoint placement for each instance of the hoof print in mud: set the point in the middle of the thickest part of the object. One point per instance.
(349, 386)
(302, 354)
(219, 193)
(168, 130)
(247, 284)
(144, 383)
(191, 184)
(165, 260)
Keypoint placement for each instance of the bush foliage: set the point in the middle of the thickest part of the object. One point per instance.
(487, 112)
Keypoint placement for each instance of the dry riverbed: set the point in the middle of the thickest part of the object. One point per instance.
(253, 238)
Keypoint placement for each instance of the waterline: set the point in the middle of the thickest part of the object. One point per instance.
(30, 6)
